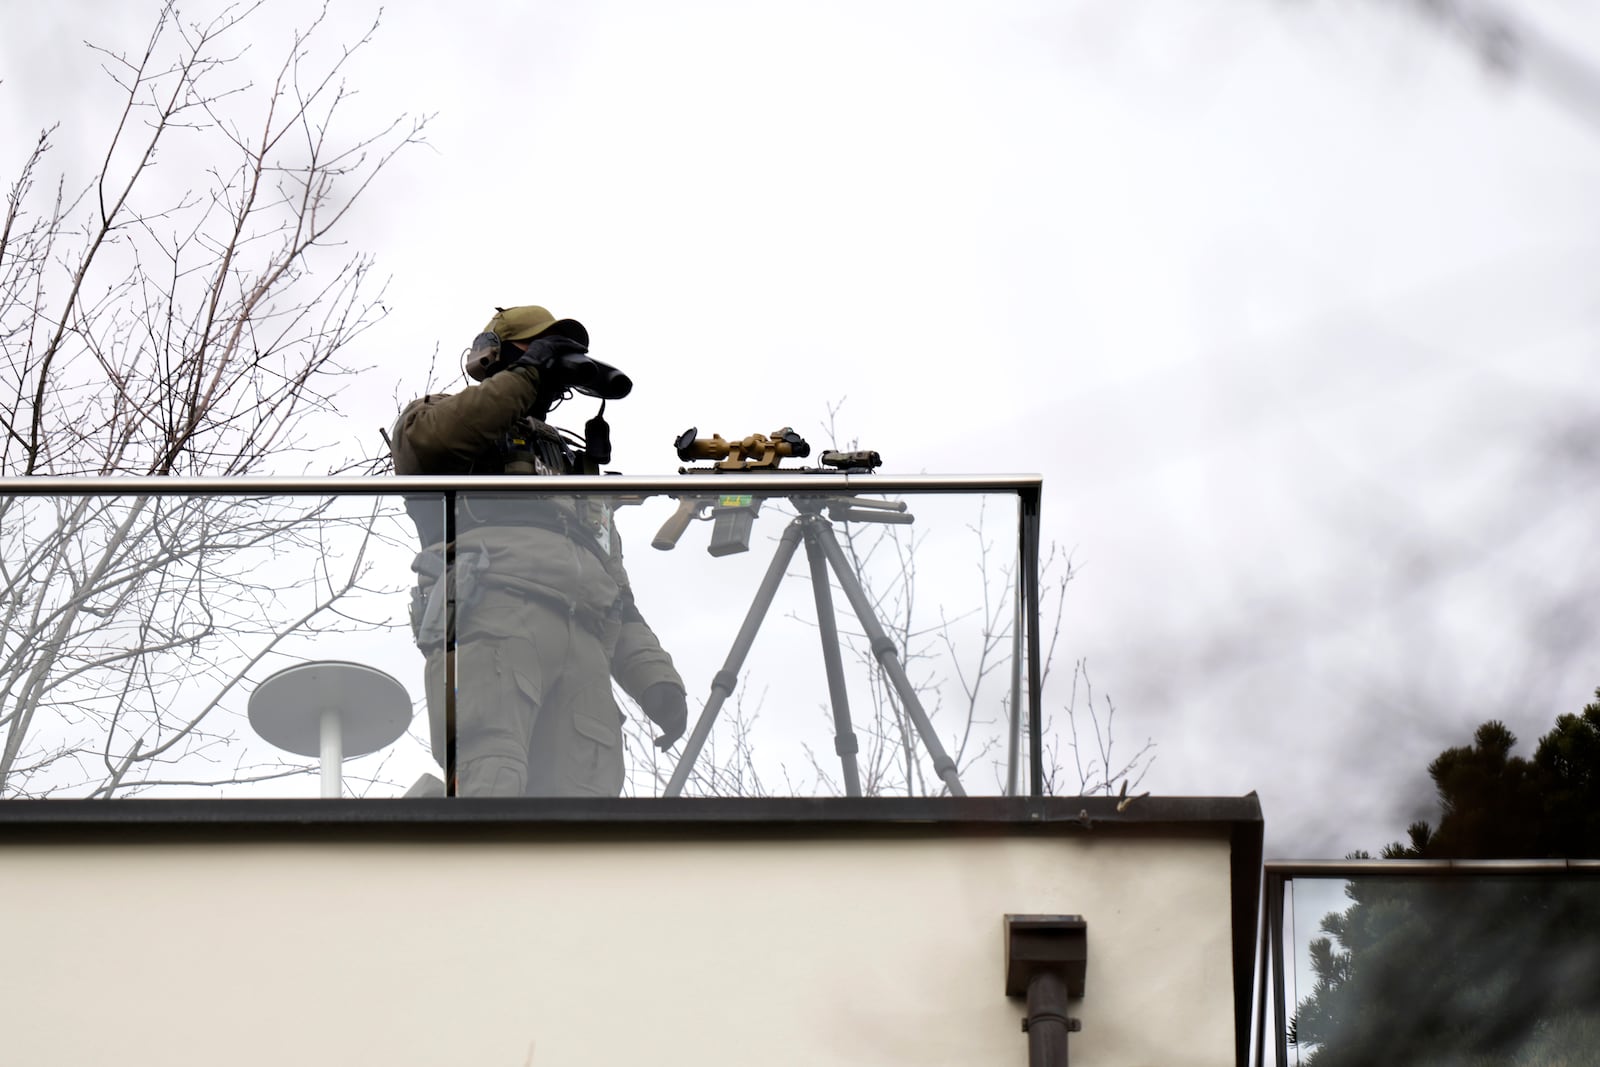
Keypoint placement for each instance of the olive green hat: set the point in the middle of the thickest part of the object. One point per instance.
(529, 321)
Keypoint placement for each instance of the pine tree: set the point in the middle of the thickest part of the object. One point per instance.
(1486, 969)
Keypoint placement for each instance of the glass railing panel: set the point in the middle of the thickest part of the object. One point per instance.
(830, 644)
(158, 645)
(1458, 968)
(222, 642)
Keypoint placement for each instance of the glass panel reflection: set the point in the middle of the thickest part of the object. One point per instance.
(760, 645)
(137, 628)
(1447, 969)
(718, 641)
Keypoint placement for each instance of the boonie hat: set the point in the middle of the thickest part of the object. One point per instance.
(529, 321)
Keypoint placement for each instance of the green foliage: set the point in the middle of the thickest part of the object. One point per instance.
(1498, 806)
(1461, 971)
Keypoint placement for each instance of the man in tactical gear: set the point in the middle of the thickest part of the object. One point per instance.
(544, 613)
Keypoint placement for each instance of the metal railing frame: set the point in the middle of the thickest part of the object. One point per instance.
(1277, 874)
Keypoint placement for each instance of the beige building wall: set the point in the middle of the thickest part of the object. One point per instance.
(883, 949)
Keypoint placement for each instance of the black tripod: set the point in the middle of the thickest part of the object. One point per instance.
(822, 550)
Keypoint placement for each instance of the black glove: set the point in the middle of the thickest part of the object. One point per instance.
(668, 708)
(552, 357)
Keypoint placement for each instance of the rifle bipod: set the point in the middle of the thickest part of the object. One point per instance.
(822, 551)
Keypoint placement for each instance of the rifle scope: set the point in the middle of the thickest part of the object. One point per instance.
(755, 452)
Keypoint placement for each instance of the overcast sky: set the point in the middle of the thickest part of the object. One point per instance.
(1290, 303)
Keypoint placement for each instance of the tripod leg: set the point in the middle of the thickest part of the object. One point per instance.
(722, 685)
(844, 740)
(883, 648)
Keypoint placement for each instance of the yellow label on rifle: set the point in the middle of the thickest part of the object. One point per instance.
(735, 501)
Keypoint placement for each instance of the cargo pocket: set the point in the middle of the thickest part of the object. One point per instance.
(521, 679)
(595, 748)
(498, 687)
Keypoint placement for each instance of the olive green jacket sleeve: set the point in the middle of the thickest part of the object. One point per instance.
(640, 661)
(443, 433)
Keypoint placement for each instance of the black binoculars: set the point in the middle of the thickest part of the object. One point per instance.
(587, 375)
(568, 370)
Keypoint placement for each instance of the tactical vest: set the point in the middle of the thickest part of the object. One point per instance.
(531, 447)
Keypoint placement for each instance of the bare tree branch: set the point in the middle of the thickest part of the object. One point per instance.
(181, 320)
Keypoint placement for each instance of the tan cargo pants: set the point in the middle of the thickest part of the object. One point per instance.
(535, 715)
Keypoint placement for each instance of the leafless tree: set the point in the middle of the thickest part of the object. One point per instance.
(1098, 768)
(185, 320)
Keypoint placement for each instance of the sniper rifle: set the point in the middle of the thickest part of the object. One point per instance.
(733, 515)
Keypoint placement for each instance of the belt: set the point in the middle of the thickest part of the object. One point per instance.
(596, 622)
(599, 623)
(539, 516)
